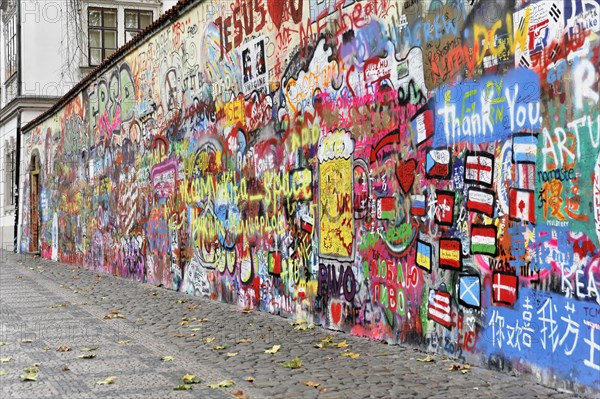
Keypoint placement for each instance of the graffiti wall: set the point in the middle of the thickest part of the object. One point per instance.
(418, 172)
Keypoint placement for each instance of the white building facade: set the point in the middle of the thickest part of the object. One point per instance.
(47, 46)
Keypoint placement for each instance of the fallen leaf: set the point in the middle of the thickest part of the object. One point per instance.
(295, 363)
(63, 348)
(195, 329)
(88, 356)
(4, 343)
(36, 365)
(5, 359)
(312, 383)
(351, 355)
(311, 326)
(328, 339)
(3, 372)
(107, 381)
(273, 350)
(464, 371)
(465, 367)
(178, 335)
(232, 354)
(428, 358)
(342, 344)
(297, 322)
(321, 345)
(249, 379)
(247, 311)
(27, 341)
(192, 307)
(184, 323)
(190, 379)
(181, 301)
(222, 384)
(192, 335)
(66, 368)
(454, 367)
(182, 387)
(57, 305)
(219, 347)
(323, 390)
(244, 341)
(124, 341)
(46, 348)
(89, 349)
(203, 320)
(155, 294)
(301, 327)
(208, 339)
(29, 377)
(167, 358)
(240, 395)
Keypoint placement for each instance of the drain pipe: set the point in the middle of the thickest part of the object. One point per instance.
(18, 152)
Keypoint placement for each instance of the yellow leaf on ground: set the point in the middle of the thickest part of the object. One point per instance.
(273, 350)
(123, 341)
(312, 383)
(454, 367)
(182, 387)
(5, 359)
(29, 377)
(190, 379)
(342, 344)
(178, 335)
(63, 348)
(167, 358)
(107, 381)
(297, 322)
(244, 341)
(249, 379)
(4, 343)
(428, 358)
(88, 356)
(203, 320)
(295, 363)
(327, 339)
(351, 355)
(27, 341)
(192, 307)
(232, 354)
(219, 347)
(3, 372)
(89, 349)
(222, 384)
(208, 339)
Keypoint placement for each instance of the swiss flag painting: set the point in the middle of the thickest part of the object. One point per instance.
(522, 205)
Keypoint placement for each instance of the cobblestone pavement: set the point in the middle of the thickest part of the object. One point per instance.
(46, 306)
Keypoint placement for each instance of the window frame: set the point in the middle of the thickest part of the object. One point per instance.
(10, 170)
(10, 34)
(103, 29)
(138, 13)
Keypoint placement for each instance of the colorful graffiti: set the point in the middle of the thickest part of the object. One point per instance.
(423, 172)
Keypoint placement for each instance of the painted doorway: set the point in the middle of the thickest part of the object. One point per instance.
(34, 202)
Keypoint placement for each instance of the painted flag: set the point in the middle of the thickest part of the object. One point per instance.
(479, 169)
(450, 251)
(439, 307)
(423, 255)
(437, 163)
(444, 212)
(423, 125)
(525, 175)
(524, 148)
(521, 205)
(469, 291)
(417, 207)
(386, 208)
(481, 201)
(275, 263)
(483, 240)
(504, 287)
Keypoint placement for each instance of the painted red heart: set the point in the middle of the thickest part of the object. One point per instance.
(336, 312)
(405, 173)
(276, 12)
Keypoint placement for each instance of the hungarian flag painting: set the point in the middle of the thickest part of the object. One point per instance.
(479, 168)
(504, 287)
(521, 205)
(386, 208)
(483, 240)
(450, 253)
(438, 308)
(479, 200)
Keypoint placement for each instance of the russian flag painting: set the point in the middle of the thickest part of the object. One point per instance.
(417, 206)
(483, 240)
(524, 147)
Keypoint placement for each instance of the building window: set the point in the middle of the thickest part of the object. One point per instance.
(135, 22)
(10, 177)
(10, 33)
(102, 32)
